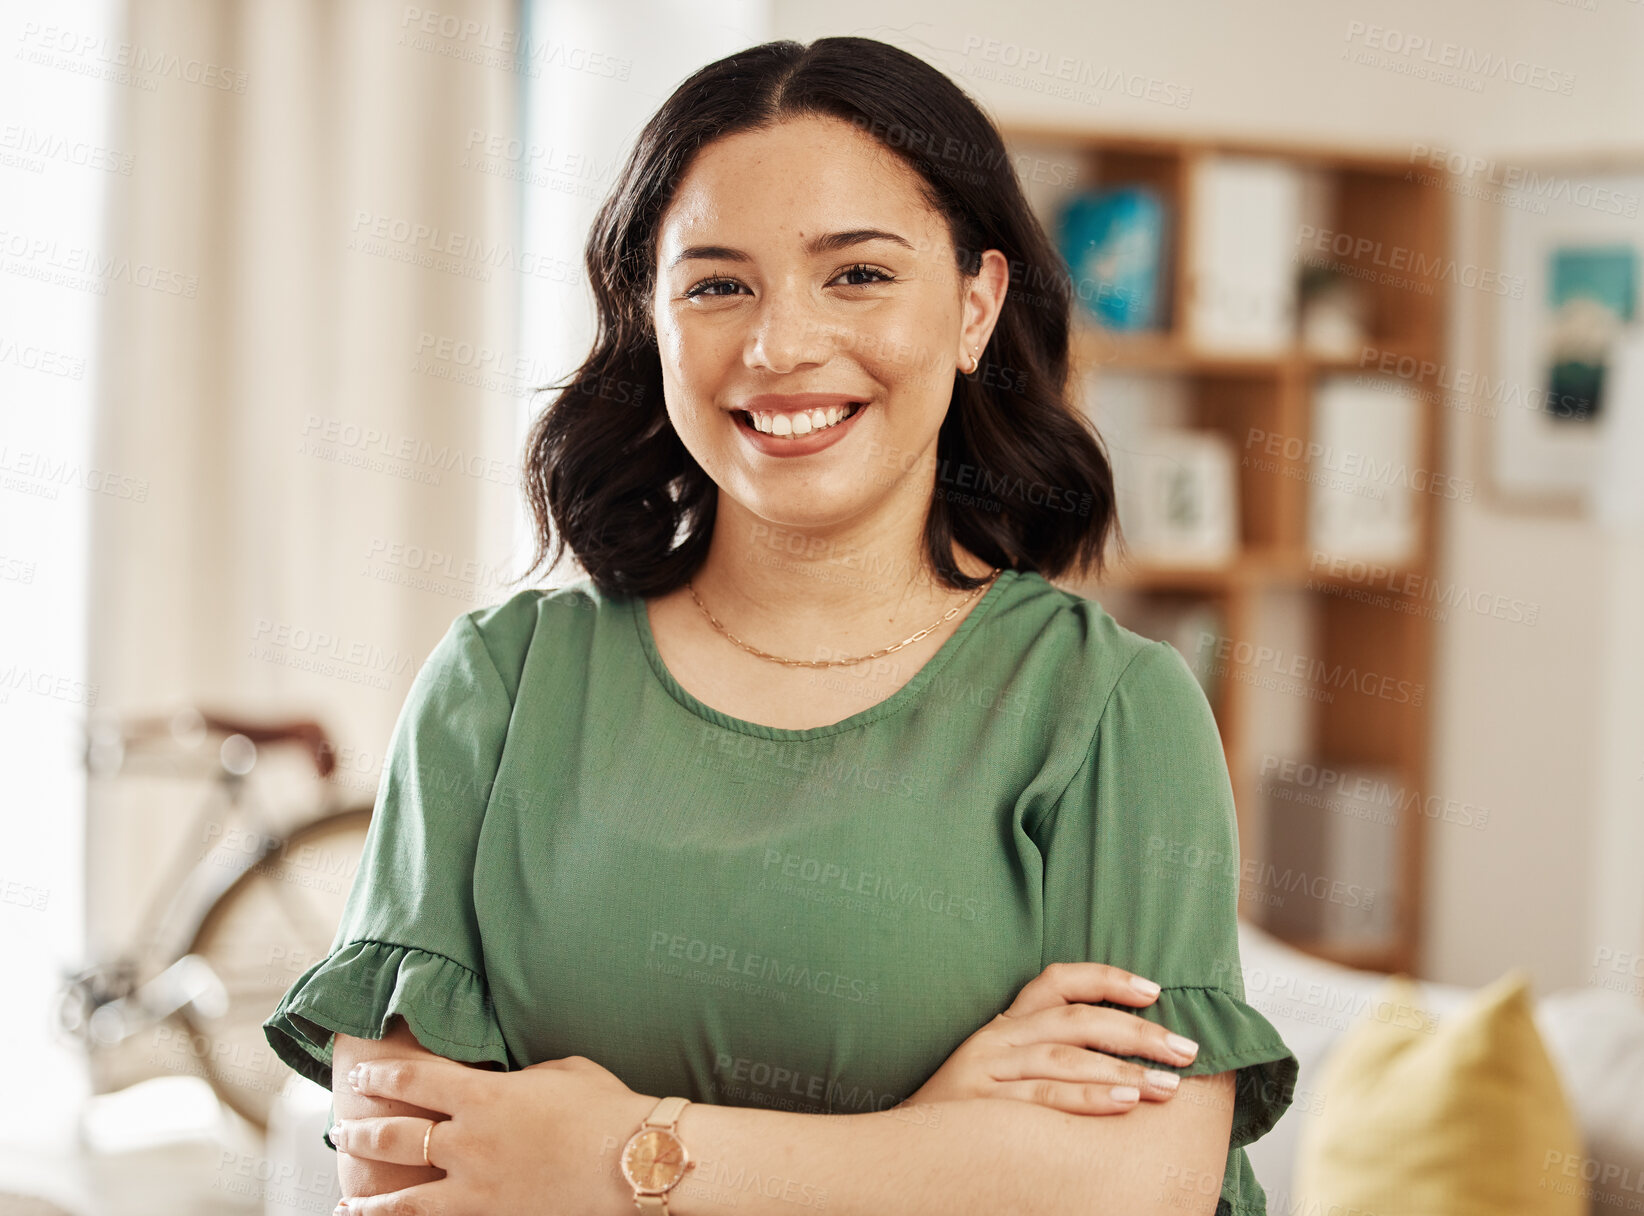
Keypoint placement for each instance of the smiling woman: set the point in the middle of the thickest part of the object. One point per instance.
(815, 836)
(736, 321)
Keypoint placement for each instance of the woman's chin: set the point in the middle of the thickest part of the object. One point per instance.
(782, 514)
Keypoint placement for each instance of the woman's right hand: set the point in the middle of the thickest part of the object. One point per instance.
(1048, 1047)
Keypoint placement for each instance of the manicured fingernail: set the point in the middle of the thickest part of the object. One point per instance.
(341, 1209)
(1125, 1093)
(1161, 1080)
(335, 1134)
(1145, 987)
(1187, 1047)
(354, 1078)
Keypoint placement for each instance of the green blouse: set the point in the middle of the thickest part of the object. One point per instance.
(572, 855)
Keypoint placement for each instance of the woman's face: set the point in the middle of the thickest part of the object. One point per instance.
(801, 259)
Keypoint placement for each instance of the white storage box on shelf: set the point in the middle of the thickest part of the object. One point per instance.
(1243, 226)
(1177, 497)
(1364, 472)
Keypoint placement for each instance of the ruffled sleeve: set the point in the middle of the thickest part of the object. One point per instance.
(1231, 1035)
(356, 989)
(409, 941)
(1141, 870)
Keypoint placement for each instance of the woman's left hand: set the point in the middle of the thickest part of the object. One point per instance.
(540, 1139)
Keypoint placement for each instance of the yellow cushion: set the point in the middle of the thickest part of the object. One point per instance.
(1460, 1116)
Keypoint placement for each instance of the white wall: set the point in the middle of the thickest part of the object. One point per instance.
(1534, 723)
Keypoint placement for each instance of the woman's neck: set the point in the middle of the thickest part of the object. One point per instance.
(848, 587)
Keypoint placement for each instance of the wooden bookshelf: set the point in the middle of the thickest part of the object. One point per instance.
(1373, 195)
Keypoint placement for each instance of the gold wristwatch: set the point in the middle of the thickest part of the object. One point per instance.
(654, 1160)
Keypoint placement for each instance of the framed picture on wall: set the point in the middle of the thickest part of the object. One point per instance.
(1569, 264)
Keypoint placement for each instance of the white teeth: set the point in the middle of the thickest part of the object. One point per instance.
(801, 423)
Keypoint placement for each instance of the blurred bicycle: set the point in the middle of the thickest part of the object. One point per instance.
(230, 927)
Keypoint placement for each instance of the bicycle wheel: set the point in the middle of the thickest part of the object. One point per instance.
(275, 921)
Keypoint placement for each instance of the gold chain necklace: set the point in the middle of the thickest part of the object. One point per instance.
(925, 632)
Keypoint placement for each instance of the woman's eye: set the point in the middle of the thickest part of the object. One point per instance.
(879, 275)
(707, 286)
(701, 288)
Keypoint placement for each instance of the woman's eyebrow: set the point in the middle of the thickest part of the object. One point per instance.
(828, 242)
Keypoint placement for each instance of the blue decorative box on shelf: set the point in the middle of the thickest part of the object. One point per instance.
(1113, 242)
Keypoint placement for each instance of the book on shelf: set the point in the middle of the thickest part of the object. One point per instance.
(1113, 240)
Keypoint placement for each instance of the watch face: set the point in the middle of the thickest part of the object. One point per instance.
(653, 1160)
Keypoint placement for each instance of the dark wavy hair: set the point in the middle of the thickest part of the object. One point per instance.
(606, 474)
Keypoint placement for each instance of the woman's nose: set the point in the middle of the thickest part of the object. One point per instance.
(789, 332)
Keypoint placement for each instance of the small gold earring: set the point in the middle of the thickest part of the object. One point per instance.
(974, 363)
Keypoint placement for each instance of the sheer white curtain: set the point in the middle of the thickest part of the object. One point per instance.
(303, 379)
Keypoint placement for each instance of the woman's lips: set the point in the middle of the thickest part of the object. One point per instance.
(800, 445)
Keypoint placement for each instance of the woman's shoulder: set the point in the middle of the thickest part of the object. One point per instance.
(526, 610)
(1076, 653)
(554, 617)
(1070, 628)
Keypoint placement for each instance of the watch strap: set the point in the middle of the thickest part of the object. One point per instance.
(666, 1113)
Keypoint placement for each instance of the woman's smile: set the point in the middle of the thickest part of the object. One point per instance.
(797, 425)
